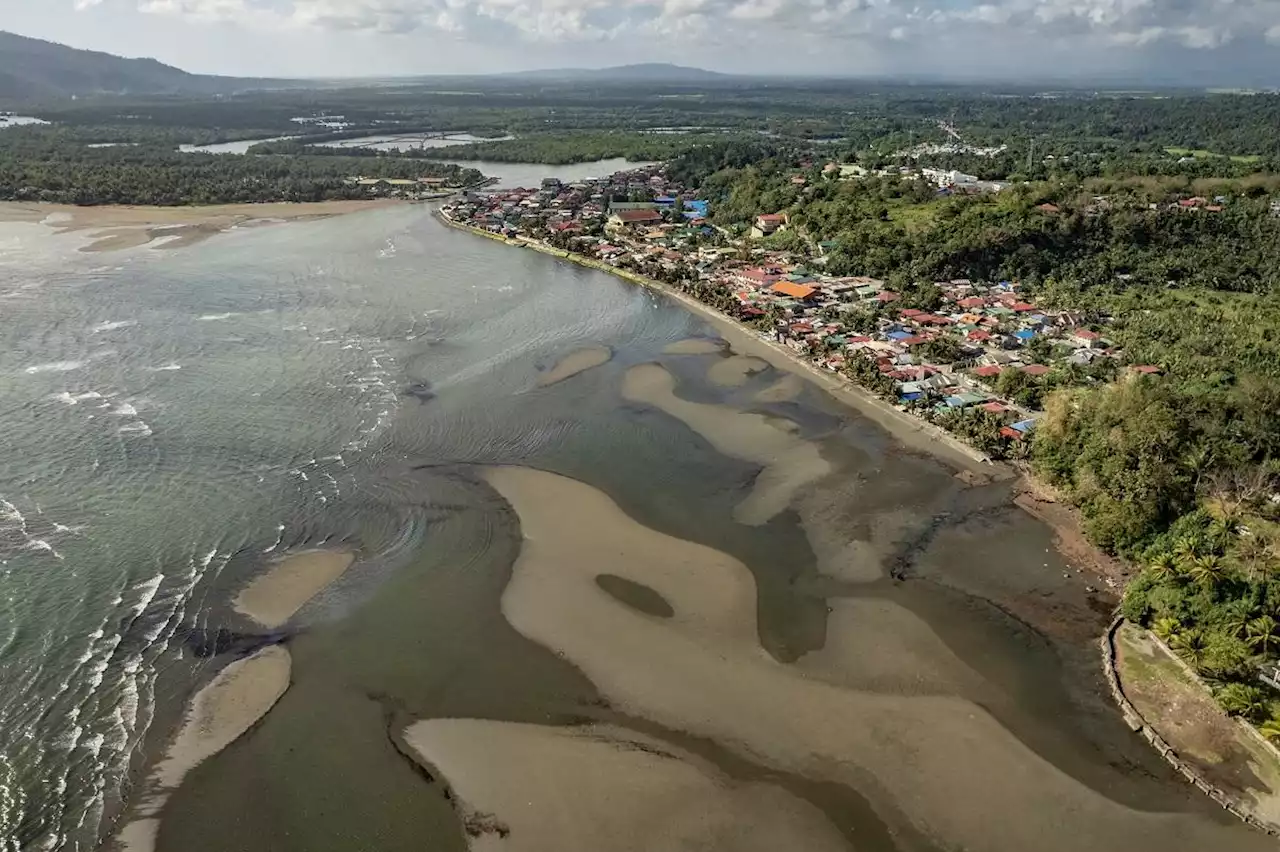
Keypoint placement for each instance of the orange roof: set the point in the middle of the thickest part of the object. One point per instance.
(795, 291)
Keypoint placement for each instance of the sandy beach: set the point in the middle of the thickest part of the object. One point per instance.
(530, 788)
(703, 671)
(274, 596)
(578, 361)
(789, 462)
(113, 228)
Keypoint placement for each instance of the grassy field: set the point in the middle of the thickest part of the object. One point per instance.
(1205, 154)
(1185, 714)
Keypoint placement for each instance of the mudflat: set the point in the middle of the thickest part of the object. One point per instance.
(702, 671)
(113, 228)
(578, 361)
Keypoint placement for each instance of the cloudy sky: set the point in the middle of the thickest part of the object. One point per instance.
(1213, 42)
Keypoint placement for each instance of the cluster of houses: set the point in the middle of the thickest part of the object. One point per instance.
(948, 357)
(625, 202)
(408, 188)
(946, 181)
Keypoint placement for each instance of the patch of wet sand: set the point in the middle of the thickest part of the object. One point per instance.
(532, 788)
(231, 704)
(636, 595)
(694, 346)
(941, 760)
(734, 371)
(789, 462)
(116, 227)
(784, 390)
(274, 596)
(578, 361)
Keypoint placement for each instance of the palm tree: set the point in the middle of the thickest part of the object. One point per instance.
(1186, 550)
(1190, 646)
(1240, 699)
(1166, 628)
(1263, 633)
(1207, 570)
(1164, 566)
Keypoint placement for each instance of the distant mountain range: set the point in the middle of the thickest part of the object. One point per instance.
(33, 69)
(648, 72)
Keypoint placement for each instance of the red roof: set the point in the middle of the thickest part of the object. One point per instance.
(795, 291)
(886, 296)
(973, 302)
(979, 334)
(934, 319)
(993, 407)
(912, 312)
(1086, 334)
(1008, 432)
(987, 371)
(914, 341)
(1147, 369)
(1023, 306)
(1035, 369)
(861, 338)
(1047, 208)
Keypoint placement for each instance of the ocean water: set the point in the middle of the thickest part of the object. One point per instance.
(170, 419)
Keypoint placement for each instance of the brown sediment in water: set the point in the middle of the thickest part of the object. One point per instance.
(702, 671)
(273, 597)
(694, 346)
(578, 361)
(112, 228)
(789, 461)
(531, 788)
(734, 371)
(221, 712)
(785, 389)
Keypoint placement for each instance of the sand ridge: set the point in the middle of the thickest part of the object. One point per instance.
(789, 462)
(578, 361)
(273, 597)
(695, 346)
(703, 671)
(532, 788)
(735, 370)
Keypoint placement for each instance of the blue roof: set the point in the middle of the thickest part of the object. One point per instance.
(698, 205)
(664, 199)
(1024, 334)
(1024, 425)
(954, 402)
(911, 397)
(900, 335)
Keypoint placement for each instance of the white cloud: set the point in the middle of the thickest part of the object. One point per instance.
(801, 35)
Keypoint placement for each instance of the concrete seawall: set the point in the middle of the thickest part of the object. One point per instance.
(1138, 724)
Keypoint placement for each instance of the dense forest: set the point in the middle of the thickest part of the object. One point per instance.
(48, 163)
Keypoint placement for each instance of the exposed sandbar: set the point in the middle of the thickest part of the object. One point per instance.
(274, 596)
(578, 361)
(530, 788)
(734, 371)
(785, 389)
(112, 228)
(231, 704)
(945, 763)
(789, 461)
(694, 346)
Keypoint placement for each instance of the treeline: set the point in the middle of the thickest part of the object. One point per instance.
(42, 164)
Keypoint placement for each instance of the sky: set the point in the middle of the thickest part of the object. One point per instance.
(1207, 42)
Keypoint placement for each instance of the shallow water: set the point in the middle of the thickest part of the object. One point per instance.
(174, 419)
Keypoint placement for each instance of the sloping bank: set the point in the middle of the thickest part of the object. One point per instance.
(910, 431)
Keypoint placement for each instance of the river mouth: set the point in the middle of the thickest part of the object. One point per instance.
(929, 619)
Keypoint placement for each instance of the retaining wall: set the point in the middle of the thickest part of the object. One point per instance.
(1135, 721)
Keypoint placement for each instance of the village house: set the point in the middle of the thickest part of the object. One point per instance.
(632, 219)
(768, 223)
